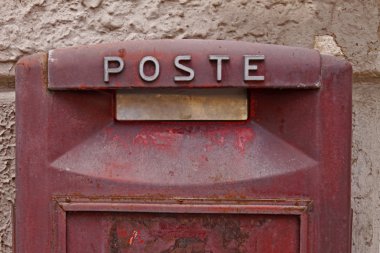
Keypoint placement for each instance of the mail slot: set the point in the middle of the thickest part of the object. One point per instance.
(183, 146)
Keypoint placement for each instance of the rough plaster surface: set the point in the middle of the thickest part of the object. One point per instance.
(366, 169)
(326, 44)
(29, 26)
(7, 169)
(344, 28)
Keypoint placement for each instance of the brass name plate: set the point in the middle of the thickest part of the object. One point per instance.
(182, 104)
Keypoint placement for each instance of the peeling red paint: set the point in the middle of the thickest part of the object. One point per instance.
(157, 138)
(136, 236)
(243, 136)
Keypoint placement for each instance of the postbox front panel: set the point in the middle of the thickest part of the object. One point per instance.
(147, 232)
(278, 181)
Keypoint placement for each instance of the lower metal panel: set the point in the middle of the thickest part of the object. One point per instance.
(269, 226)
(181, 233)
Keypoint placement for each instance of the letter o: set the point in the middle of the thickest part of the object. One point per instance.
(156, 68)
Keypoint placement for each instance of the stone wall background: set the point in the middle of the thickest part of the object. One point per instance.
(346, 28)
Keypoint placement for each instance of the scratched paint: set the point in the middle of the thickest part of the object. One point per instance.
(174, 155)
(242, 137)
(183, 233)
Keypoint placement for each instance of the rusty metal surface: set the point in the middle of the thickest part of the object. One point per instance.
(182, 104)
(142, 225)
(284, 67)
(85, 182)
(181, 233)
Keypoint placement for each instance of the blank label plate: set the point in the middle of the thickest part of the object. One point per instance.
(182, 104)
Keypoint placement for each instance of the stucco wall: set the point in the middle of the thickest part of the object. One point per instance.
(7, 168)
(348, 29)
(366, 168)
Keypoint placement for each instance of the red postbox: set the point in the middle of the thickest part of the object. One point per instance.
(183, 146)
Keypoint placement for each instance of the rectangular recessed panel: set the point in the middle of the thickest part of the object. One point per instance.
(181, 233)
(182, 104)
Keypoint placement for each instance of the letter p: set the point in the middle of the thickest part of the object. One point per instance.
(108, 70)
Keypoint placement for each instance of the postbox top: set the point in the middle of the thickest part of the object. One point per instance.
(183, 64)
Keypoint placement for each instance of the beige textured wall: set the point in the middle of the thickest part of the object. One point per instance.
(366, 168)
(348, 29)
(7, 168)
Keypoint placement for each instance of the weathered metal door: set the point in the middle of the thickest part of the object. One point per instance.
(183, 146)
